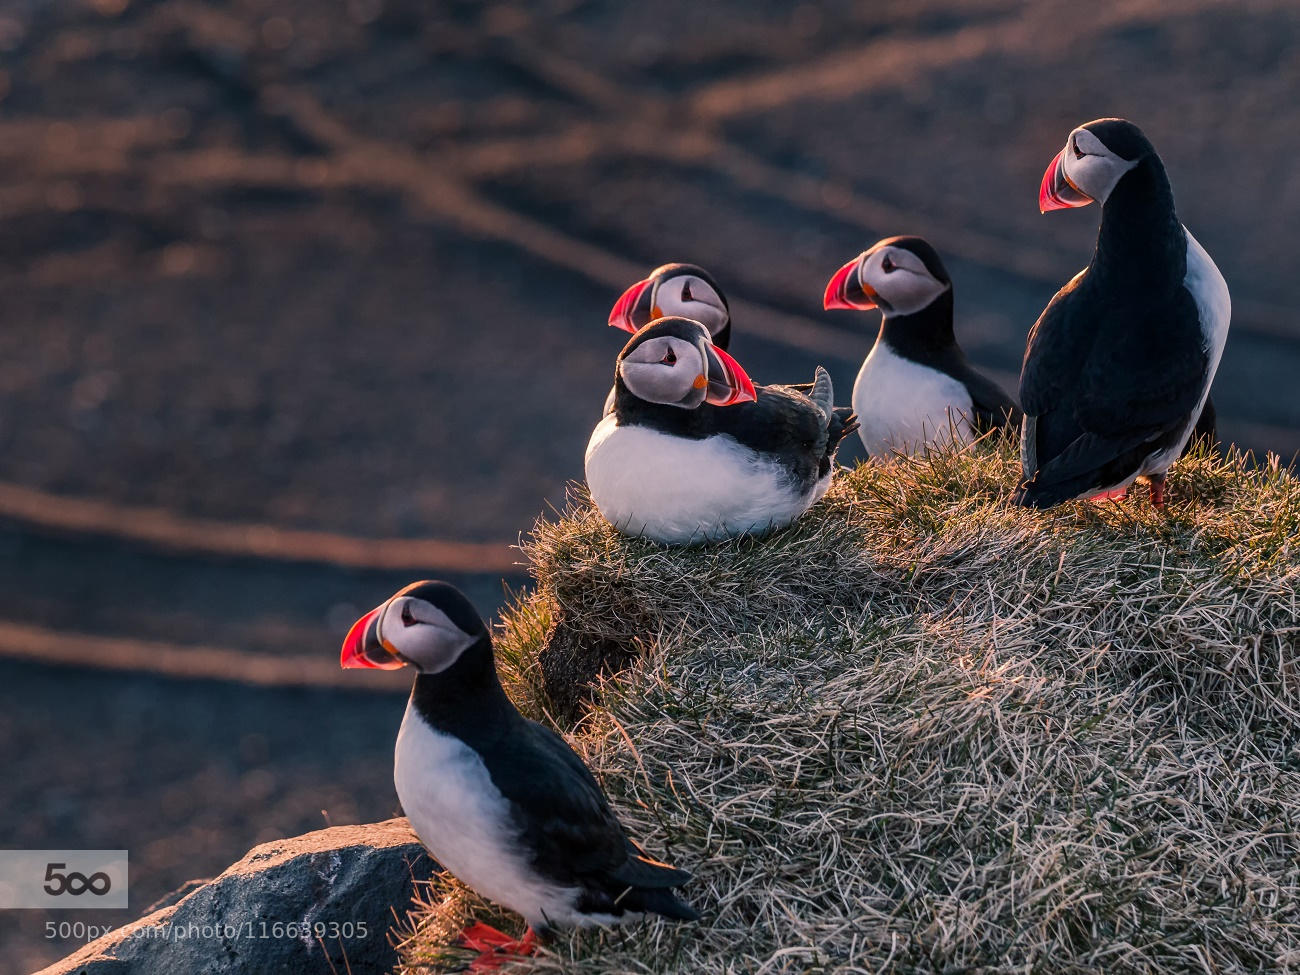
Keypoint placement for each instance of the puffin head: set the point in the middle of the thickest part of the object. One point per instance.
(685, 290)
(898, 275)
(1096, 155)
(428, 625)
(672, 361)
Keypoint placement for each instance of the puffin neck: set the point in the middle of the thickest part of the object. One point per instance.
(631, 410)
(922, 334)
(466, 696)
(1140, 237)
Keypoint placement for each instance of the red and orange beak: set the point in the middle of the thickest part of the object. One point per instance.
(363, 648)
(728, 384)
(844, 290)
(1056, 191)
(634, 308)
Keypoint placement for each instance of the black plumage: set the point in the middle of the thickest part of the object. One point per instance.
(566, 828)
(1116, 365)
(782, 422)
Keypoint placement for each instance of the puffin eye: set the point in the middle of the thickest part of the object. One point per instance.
(670, 358)
(407, 618)
(686, 291)
(1078, 153)
(887, 265)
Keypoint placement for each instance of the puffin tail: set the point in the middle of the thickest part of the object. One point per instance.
(648, 886)
(1026, 497)
(843, 422)
(823, 393)
(662, 902)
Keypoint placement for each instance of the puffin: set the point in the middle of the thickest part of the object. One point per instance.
(678, 289)
(915, 388)
(500, 801)
(692, 451)
(1118, 367)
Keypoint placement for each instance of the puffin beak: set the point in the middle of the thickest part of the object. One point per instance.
(727, 383)
(1056, 191)
(363, 648)
(844, 290)
(633, 309)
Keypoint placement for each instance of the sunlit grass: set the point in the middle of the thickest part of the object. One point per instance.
(922, 730)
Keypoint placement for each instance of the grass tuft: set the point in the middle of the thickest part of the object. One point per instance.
(923, 730)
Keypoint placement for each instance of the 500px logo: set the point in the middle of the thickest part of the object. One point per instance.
(75, 884)
(63, 879)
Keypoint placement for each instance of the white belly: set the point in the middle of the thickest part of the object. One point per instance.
(1214, 305)
(679, 491)
(464, 821)
(905, 406)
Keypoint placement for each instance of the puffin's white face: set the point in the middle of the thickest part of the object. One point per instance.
(673, 362)
(421, 633)
(898, 280)
(406, 630)
(1084, 171)
(689, 296)
(667, 370)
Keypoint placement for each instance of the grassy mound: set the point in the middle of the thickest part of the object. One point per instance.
(922, 730)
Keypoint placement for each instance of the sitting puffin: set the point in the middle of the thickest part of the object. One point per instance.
(1118, 367)
(693, 451)
(915, 388)
(501, 802)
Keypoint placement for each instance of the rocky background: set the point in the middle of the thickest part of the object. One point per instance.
(287, 280)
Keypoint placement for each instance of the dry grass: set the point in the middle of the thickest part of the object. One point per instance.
(922, 730)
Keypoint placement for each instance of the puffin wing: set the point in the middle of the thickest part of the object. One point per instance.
(1100, 396)
(565, 819)
(779, 421)
(1054, 353)
(804, 388)
(843, 421)
(1148, 374)
(992, 407)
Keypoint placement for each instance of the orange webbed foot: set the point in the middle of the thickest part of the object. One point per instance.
(1115, 495)
(494, 947)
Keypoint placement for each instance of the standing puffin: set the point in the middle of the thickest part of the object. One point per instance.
(683, 290)
(500, 801)
(915, 388)
(693, 451)
(1118, 367)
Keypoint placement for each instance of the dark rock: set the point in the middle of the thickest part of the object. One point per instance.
(349, 884)
(570, 663)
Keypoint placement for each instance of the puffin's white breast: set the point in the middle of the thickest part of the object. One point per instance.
(677, 490)
(903, 405)
(1210, 292)
(1205, 284)
(464, 820)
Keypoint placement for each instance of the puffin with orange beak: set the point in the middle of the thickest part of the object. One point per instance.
(1118, 367)
(692, 451)
(683, 290)
(501, 802)
(915, 388)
